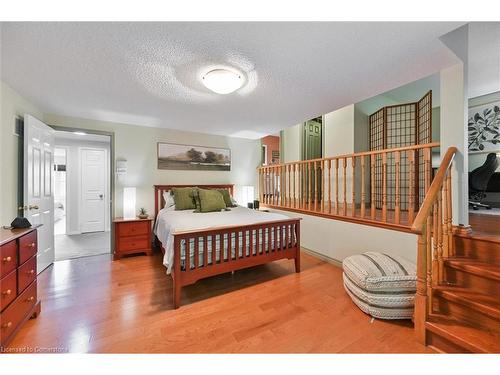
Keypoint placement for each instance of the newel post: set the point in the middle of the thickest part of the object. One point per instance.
(420, 313)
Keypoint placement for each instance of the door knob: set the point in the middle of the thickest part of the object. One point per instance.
(33, 207)
(22, 208)
(101, 196)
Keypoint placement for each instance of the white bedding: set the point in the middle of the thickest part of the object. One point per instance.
(171, 221)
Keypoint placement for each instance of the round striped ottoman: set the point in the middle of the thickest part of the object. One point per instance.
(381, 285)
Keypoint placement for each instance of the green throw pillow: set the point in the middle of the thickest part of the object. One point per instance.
(211, 200)
(227, 197)
(184, 198)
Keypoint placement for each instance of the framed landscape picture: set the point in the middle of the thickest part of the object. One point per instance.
(195, 158)
(484, 128)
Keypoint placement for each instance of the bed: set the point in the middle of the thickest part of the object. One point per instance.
(200, 245)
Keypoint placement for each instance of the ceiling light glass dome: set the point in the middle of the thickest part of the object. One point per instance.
(223, 81)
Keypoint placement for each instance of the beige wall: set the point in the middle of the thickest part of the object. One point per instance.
(12, 105)
(138, 145)
(339, 132)
(291, 143)
(453, 133)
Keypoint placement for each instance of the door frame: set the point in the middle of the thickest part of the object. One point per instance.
(111, 171)
(107, 214)
(65, 185)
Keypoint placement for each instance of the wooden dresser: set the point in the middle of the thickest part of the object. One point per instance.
(18, 281)
(132, 236)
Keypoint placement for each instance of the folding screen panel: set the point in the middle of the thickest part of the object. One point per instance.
(399, 126)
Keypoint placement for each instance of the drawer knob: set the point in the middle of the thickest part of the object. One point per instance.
(7, 325)
(7, 292)
(31, 272)
(7, 259)
(31, 244)
(30, 299)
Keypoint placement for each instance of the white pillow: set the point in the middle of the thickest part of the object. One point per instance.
(169, 201)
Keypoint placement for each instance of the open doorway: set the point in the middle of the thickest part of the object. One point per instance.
(82, 194)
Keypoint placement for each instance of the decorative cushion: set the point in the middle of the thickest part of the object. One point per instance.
(184, 198)
(211, 200)
(169, 200)
(381, 272)
(379, 311)
(227, 197)
(381, 285)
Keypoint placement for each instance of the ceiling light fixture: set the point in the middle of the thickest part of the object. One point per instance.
(223, 81)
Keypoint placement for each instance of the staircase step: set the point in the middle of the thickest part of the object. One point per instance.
(477, 309)
(459, 337)
(482, 249)
(481, 269)
(486, 304)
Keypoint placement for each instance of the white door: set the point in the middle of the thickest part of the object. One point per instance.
(38, 191)
(93, 189)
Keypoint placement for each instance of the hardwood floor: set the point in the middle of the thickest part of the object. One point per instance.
(96, 305)
(486, 226)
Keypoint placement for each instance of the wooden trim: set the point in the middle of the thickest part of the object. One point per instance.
(350, 219)
(462, 230)
(364, 153)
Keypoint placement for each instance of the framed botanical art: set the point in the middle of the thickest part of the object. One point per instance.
(484, 128)
(194, 158)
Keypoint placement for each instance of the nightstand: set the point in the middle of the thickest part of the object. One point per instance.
(132, 236)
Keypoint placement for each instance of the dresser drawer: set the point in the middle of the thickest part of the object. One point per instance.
(26, 274)
(27, 246)
(16, 312)
(133, 243)
(8, 289)
(134, 228)
(8, 258)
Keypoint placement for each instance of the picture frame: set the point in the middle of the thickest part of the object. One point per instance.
(173, 156)
(484, 128)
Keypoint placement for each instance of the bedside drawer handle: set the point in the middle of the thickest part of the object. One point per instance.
(30, 299)
(7, 259)
(7, 325)
(31, 244)
(7, 292)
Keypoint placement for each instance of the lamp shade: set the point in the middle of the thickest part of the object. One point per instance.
(247, 194)
(129, 203)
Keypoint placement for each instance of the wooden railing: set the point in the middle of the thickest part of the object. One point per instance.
(433, 224)
(383, 187)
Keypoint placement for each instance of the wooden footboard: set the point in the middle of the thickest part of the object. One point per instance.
(216, 251)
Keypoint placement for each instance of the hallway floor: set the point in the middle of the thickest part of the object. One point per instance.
(82, 245)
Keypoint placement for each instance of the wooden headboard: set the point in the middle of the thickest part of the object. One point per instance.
(159, 189)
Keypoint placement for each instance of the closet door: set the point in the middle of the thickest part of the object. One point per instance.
(312, 148)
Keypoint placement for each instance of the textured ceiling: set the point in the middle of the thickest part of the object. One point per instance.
(148, 73)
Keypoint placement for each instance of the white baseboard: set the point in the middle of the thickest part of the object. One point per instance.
(325, 258)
